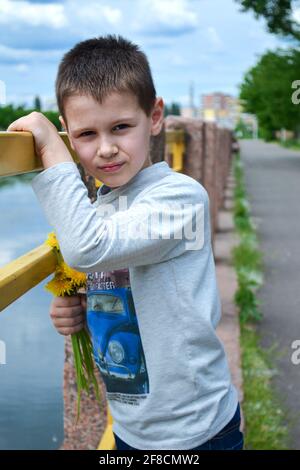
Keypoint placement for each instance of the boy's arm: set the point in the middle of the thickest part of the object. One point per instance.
(89, 241)
(47, 142)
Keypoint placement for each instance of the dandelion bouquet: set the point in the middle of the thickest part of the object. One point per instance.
(67, 281)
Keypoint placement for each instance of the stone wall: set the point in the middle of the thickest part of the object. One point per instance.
(207, 158)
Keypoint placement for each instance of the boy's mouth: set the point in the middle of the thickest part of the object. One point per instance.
(111, 168)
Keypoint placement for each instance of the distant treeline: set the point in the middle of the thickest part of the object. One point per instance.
(10, 113)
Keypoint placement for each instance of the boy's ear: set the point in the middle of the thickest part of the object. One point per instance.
(65, 129)
(157, 116)
(61, 120)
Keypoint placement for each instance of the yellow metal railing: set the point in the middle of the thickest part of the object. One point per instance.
(22, 274)
(17, 153)
(175, 148)
(107, 441)
(17, 156)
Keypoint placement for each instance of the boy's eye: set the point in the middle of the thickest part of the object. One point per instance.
(121, 125)
(86, 133)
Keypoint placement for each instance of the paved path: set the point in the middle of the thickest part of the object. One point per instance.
(272, 177)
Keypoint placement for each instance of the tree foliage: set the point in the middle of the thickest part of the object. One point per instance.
(37, 103)
(11, 113)
(243, 130)
(173, 108)
(266, 91)
(278, 14)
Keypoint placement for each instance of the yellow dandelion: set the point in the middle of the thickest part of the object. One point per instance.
(78, 278)
(52, 241)
(60, 287)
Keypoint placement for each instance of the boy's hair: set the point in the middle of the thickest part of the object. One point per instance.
(100, 66)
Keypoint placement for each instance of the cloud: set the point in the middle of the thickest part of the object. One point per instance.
(45, 1)
(13, 56)
(165, 17)
(22, 68)
(57, 14)
(24, 12)
(54, 26)
(177, 60)
(96, 12)
(214, 38)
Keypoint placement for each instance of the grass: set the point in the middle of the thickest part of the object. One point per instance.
(265, 426)
(292, 144)
(247, 258)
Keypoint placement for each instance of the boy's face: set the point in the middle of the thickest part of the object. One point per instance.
(114, 132)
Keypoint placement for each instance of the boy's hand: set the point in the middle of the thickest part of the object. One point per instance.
(48, 144)
(68, 313)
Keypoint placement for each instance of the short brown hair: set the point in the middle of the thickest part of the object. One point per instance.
(102, 65)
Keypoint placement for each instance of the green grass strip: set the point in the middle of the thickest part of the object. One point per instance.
(265, 423)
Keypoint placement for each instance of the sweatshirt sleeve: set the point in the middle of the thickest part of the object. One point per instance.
(162, 222)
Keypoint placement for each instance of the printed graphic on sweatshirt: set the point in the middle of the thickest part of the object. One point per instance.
(117, 344)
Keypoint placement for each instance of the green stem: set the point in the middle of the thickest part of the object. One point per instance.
(84, 366)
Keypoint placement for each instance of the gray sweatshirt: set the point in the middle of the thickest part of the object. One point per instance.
(153, 302)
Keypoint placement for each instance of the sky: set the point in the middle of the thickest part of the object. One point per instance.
(207, 43)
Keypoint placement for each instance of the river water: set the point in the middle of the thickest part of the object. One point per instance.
(31, 394)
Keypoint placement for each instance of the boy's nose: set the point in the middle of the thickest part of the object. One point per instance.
(107, 150)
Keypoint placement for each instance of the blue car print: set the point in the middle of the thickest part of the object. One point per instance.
(117, 345)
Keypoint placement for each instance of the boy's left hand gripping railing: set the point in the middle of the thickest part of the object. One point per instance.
(24, 273)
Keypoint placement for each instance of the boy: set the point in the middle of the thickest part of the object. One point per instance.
(152, 299)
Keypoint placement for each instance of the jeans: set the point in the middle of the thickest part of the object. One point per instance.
(229, 438)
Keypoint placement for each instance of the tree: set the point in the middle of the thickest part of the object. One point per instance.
(9, 113)
(37, 103)
(266, 91)
(278, 14)
(173, 109)
(243, 130)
